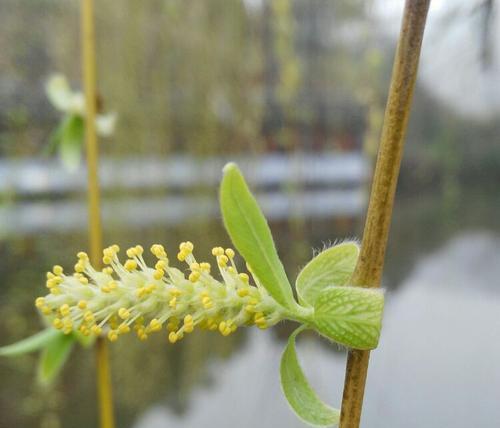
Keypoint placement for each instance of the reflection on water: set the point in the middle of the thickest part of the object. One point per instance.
(441, 320)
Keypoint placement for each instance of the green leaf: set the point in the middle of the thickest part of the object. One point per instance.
(71, 141)
(30, 344)
(53, 357)
(333, 266)
(252, 237)
(301, 397)
(351, 316)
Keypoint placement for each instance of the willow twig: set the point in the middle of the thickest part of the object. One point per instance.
(369, 269)
(95, 228)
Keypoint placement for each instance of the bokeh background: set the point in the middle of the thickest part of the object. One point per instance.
(295, 91)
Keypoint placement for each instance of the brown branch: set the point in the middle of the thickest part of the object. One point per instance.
(368, 272)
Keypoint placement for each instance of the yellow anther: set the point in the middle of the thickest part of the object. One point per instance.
(79, 267)
(39, 302)
(108, 252)
(64, 310)
(140, 292)
(68, 324)
(158, 274)
(143, 337)
(107, 260)
(139, 250)
(96, 330)
(50, 275)
(242, 292)
(83, 280)
(58, 270)
(57, 323)
(226, 331)
(123, 313)
(231, 269)
(82, 304)
(113, 335)
(250, 308)
(173, 302)
(244, 277)
(187, 247)
(161, 264)
(88, 316)
(222, 260)
(222, 326)
(230, 253)
(112, 285)
(175, 292)
(188, 319)
(253, 301)
(188, 328)
(55, 291)
(131, 252)
(108, 270)
(46, 310)
(217, 251)
(123, 328)
(50, 283)
(82, 255)
(172, 337)
(205, 267)
(181, 255)
(130, 264)
(105, 289)
(150, 288)
(155, 325)
(194, 276)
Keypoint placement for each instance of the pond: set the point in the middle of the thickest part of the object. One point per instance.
(437, 364)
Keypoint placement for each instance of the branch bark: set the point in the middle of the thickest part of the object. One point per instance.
(368, 272)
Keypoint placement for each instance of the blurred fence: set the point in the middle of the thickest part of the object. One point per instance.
(306, 185)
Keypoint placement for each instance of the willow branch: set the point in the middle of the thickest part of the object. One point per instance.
(95, 228)
(368, 272)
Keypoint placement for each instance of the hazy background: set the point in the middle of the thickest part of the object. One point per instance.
(295, 90)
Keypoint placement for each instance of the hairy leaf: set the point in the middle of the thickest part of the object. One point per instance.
(301, 397)
(333, 266)
(30, 344)
(351, 316)
(53, 357)
(252, 237)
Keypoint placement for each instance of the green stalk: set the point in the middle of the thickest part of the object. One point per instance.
(368, 272)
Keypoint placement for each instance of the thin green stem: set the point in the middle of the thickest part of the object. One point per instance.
(95, 228)
(368, 272)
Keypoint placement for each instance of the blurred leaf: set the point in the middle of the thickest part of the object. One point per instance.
(301, 397)
(53, 358)
(252, 237)
(351, 316)
(71, 142)
(30, 344)
(59, 92)
(333, 266)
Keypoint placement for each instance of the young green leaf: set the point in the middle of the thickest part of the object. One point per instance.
(301, 397)
(351, 316)
(333, 266)
(30, 344)
(250, 233)
(53, 357)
